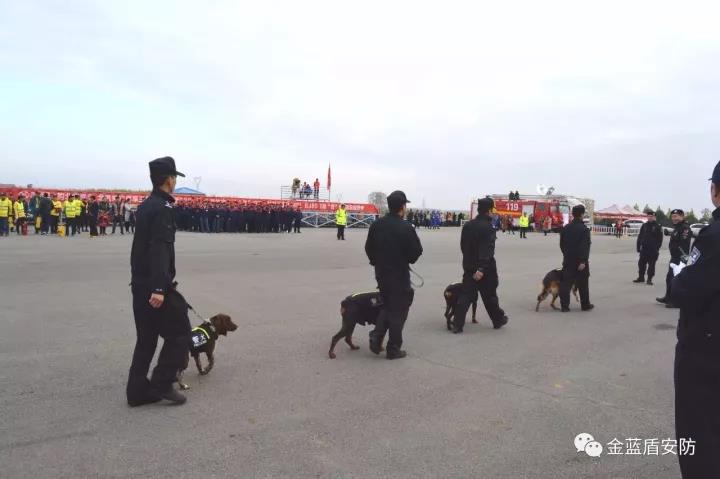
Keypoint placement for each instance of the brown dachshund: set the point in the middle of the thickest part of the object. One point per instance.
(202, 340)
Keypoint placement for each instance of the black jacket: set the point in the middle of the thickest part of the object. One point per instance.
(477, 243)
(575, 243)
(697, 291)
(680, 241)
(392, 245)
(152, 259)
(650, 237)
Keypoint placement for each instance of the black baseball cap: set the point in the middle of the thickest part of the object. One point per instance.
(716, 174)
(578, 210)
(650, 213)
(397, 198)
(677, 212)
(164, 166)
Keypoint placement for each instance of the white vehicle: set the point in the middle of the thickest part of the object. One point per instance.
(633, 227)
(696, 227)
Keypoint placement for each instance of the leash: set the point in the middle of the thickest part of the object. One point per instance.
(422, 280)
(195, 312)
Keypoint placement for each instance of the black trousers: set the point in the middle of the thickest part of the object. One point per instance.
(396, 306)
(668, 280)
(647, 261)
(117, 220)
(697, 415)
(581, 279)
(45, 226)
(523, 232)
(341, 232)
(170, 322)
(53, 224)
(487, 287)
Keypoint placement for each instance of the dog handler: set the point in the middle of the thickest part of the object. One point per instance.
(392, 245)
(159, 309)
(477, 242)
(575, 247)
(696, 289)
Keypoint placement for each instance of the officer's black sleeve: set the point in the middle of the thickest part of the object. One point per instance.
(659, 237)
(698, 283)
(468, 246)
(414, 247)
(162, 235)
(584, 250)
(685, 237)
(484, 254)
(369, 245)
(562, 241)
(638, 242)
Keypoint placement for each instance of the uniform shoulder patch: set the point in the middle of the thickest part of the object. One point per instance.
(694, 256)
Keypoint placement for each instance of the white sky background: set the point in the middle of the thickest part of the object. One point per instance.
(618, 101)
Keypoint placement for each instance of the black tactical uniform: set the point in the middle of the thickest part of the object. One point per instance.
(575, 247)
(391, 246)
(679, 246)
(477, 243)
(153, 271)
(696, 290)
(649, 241)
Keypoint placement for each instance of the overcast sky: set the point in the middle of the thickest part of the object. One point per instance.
(619, 101)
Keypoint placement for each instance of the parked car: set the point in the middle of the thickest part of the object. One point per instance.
(696, 227)
(633, 226)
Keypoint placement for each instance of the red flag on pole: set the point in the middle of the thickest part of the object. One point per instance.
(329, 180)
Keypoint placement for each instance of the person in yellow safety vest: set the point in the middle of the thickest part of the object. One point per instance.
(5, 213)
(341, 222)
(19, 213)
(69, 207)
(55, 213)
(524, 224)
(77, 207)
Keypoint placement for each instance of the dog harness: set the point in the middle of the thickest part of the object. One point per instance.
(200, 335)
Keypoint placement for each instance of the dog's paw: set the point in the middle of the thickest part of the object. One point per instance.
(354, 348)
(474, 320)
(184, 387)
(204, 372)
(332, 355)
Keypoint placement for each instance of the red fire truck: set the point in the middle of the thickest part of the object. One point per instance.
(537, 207)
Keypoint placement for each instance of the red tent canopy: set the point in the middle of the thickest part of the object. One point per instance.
(615, 212)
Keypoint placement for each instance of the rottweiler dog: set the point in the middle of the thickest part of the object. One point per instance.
(202, 340)
(452, 294)
(360, 308)
(551, 286)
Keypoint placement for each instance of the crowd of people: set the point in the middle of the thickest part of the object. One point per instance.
(235, 217)
(434, 219)
(305, 190)
(50, 215)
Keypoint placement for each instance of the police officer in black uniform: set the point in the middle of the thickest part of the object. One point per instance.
(648, 244)
(575, 247)
(391, 246)
(477, 243)
(679, 246)
(696, 289)
(159, 309)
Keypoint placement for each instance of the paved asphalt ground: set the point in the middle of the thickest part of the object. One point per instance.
(486, 404)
